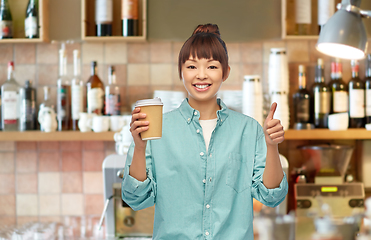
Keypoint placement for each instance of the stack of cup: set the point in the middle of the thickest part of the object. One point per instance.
(278, 79)
(170, 99)
(232, 99)
(252, 98)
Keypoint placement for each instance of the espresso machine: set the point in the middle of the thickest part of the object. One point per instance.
(328, 164)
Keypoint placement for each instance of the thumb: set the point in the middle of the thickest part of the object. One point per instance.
(272, 111)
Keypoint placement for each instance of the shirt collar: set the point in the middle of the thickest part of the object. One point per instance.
(189, 114)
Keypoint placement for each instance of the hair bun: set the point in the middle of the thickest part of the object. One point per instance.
(207, 28)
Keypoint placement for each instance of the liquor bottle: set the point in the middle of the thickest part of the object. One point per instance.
(103, 17)
(47, 102)
(31, 22)
(95, 92)
(77, 87)
(303, 16)
(113, 100)
(302, 99)
(368, 88)
(6, 21)
(321, 97)
(27, 96)
(10, 102)
(63, 93)
(339, 89)
(356, 98)
(129, 17)
(326, 8)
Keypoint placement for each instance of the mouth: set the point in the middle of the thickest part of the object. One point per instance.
(201, 87)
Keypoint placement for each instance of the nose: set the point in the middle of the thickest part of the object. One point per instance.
(201, 74)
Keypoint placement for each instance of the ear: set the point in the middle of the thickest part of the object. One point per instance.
(227, 73)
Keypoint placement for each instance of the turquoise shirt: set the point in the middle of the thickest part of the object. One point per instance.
(199, 194)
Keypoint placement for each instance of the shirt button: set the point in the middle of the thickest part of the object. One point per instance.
(198, 131)
(207, 233)
(204, 181)
(207, 206)
(211, 154)
(195, 113)
(209, 179)
(189, 119)
(201, 153)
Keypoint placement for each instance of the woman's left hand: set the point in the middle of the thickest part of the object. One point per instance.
(273, 129)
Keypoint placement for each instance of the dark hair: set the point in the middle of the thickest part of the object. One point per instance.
(205, 42)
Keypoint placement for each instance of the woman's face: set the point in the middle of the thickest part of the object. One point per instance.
(202, 78)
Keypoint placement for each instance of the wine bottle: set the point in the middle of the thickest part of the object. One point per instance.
(27, 97)
(47, 102)
(303, 16)
(10, 102)
(103, 17)
(129, 17)
(95, 92)
(321, 97)
(302, 99)
(368, 88)
(63, 93)
(113, 101)
(326, 8)
(77, 87)
(31, 22)
(356, 98)
(339, 90)
(6, 22)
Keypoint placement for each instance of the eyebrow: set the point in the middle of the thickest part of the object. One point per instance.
(210, 60)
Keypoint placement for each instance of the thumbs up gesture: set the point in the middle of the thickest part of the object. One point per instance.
(273, 129)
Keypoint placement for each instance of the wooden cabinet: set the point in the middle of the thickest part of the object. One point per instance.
(18, 10)
(88, 28)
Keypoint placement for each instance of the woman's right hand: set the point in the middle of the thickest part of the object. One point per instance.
(137, 125)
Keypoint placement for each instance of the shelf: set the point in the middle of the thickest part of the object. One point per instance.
(56, 136)
(18, 9)
(88, 28)
(325, 134)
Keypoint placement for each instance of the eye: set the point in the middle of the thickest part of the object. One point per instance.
(213, 67)
(191, 67)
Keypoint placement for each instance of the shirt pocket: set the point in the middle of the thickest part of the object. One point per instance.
(237, 173)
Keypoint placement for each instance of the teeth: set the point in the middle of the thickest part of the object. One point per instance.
(201, 86)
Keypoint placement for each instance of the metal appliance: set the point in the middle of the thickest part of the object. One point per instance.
(120, 220)
(328, 163)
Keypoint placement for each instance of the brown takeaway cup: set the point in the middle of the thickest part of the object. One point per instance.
(153, 109)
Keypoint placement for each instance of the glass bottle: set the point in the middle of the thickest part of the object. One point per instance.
(6, 21)
(302, 99)
(321, 97)
(368, 88)
(129, 17)
(63, 93)
(28, 107)
(339, 89)
(47, 102)
(95, 92)
(31, 22)
(326, 8)
(10, 102)
(303, 16)
(356, 98)
(103, 17)
(113, 99)
(77, 86)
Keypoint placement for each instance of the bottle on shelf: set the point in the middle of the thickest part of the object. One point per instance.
(303, 17)
(95, 92)
(103, 17)
(27, 97)
(63, 93)
(31, 22)
(321, 97)
(113, 99)
(77, 86)
(368, 88)
(10, 102)
(338, 88)
(356, 98)
(326, 8)
(47, 102)
(6, 21)
(129, 17)
(302, 100)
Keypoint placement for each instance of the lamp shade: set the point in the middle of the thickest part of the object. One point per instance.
(343, 36)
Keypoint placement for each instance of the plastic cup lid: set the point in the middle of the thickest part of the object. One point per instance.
(149, 102)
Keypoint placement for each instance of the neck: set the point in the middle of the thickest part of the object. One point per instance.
(207, 108)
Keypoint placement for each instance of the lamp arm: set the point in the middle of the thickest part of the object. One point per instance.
(354, 9)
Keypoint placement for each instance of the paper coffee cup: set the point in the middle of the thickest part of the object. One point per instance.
(153, 109)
